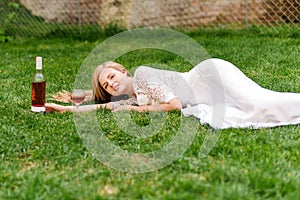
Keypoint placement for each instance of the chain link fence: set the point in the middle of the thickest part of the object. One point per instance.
(78, 18)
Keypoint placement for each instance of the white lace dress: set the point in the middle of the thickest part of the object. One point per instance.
(218, 93)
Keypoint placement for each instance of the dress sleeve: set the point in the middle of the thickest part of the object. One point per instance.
(149, 88)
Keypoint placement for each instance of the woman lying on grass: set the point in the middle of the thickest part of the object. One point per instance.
(214, 89)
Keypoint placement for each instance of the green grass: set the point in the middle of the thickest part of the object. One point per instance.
(43, 157)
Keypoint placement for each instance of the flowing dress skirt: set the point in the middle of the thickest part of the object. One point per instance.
(224, 97)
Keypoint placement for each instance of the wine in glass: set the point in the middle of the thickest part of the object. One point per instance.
(77, 97)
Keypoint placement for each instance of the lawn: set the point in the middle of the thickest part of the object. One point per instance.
(43, 156)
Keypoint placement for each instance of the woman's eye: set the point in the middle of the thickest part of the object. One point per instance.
(112, 76)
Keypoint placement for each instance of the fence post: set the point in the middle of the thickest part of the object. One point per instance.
(246, 13)
(79, 16)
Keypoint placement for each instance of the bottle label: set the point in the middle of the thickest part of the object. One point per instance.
(38, 62)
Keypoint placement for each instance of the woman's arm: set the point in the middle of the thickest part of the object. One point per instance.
(174, 104)
(50, 107)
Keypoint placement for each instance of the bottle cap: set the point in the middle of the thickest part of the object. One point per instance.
(38, 62)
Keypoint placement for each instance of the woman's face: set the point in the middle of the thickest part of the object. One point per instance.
(114, 82)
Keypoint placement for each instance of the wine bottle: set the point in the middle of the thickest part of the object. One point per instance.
(38, 92)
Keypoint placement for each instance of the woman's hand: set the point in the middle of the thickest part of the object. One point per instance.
(120, 108)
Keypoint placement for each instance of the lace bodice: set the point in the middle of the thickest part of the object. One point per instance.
(151, 86)
(154, 86)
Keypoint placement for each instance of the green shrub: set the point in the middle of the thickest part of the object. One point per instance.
(8, 19)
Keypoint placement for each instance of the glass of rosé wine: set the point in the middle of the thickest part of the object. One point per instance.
(77, 97)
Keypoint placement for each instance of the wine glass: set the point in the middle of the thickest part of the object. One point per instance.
(77, 97)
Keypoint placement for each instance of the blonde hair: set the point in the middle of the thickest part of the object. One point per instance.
(100, 95)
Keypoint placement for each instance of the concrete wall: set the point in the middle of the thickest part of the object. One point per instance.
(137, 13)
(116, 12)
(65, 10)
(187, 13)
